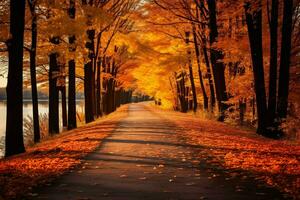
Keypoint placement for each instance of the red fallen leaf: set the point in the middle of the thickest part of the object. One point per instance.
(274, 161)
(52, 158)
(190, 184)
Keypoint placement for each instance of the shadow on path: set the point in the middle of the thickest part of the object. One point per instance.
(145, 159)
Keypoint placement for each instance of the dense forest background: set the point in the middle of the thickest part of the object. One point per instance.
(233, 61)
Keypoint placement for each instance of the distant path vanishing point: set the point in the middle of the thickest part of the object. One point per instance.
(145, 159)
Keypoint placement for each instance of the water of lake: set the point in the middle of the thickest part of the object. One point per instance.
(27, 111)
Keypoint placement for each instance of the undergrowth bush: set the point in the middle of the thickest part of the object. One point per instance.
(29, 129)
(291, 126)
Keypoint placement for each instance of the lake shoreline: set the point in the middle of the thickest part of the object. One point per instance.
(27, 112)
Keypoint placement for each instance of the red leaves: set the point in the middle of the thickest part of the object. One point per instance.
(52, 158)
(275, 161)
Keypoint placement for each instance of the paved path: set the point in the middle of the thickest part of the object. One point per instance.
(144, 159)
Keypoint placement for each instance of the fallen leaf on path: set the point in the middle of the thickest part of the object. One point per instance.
(33, 194)
(190, 184)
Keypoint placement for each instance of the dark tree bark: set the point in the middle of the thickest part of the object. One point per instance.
(285, 61)
(189, 53)
(14, 143)
(181, 90)
(209, 76)
(242, 109)
(118, 98)
(272, 101)
(218, 66)
(99, 100)
(72, 123)
(205, 54)
(205, 98)
(113, 97)
(72, 76)
(105, 85)
(110, 96)
(53, 95)
(32, 52)
(64, 106)
(254, 24)
(91, 47)
(88, 82)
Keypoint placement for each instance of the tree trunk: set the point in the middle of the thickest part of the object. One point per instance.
(285, 61)
(88, 92)
(254, 24)
(218, 66)
(272, 101)
(110, 96)
(99, 100)
(205, 98)
(91, 47)
(53, 95)
(189, 53)
(35, 107)
(209, 76)
(72, 76)
(182, 92)
(242, 110)
(202, 34)
(179, 95)
(72, 123)
(104, 97)
(14, 143)
(64, 106)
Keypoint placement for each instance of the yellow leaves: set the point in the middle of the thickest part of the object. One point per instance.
(97, 16)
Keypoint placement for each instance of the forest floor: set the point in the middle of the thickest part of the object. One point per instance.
(149, 153)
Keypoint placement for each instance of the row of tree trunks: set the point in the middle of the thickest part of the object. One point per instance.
(267, 125)
(57, 83)
(113, 98)
(14, 142)
(109, 85)
(191, 74)
(182, 91)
